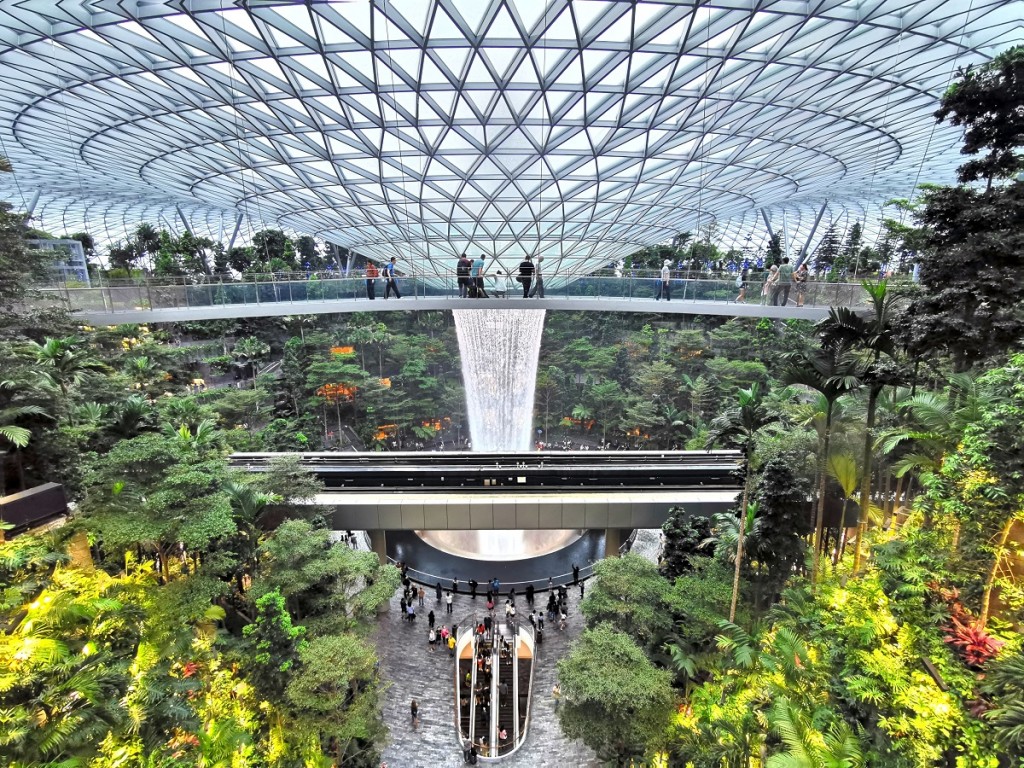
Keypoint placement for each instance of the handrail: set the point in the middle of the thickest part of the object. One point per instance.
(149, 294)
(101, 281)
(561, 580)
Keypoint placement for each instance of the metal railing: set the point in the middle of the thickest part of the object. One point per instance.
(296, 289)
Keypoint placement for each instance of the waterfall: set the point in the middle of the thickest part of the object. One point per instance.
(499, 349)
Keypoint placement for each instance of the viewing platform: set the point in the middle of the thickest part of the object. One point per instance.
(163, 300)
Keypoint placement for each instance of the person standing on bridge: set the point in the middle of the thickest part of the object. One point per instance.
(800, 278)
(665, 288)
(462, 271)
(783, 284)
(390, 283)
(538, 281)
(526, 275)
(371, 280)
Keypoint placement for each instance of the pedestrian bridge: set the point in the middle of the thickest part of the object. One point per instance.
(164, 300)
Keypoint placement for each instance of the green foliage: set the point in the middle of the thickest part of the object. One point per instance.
(615, 699)
(974, 100)
(327, 585)
(684, 535)
(631, 595)
(272, 646)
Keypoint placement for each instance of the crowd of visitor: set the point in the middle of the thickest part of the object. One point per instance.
(491, 637)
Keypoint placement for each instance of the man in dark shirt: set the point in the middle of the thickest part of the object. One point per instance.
(526, 275)
(462, 270)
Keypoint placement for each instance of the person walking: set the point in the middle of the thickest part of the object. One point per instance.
(467, 750)
(371, 280)
(741, 283)
(455, 586)
(800, 278)
(431, 639)
(462, 270)
(448, 601)
(477, 276)
(665, 288)
(414, 708)
(538, 280)
(783, 282)
(451, 645)
(390, 282)
(526, 275)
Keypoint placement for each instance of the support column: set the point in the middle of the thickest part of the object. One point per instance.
(612, 542)
(379, 542)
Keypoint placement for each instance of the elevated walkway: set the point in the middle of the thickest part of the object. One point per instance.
(556, 490)
(158, 300)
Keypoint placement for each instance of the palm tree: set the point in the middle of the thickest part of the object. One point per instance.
(248, 503)
(806, 747)
(11, 434)
(131, 416)
(831, 372)
(249, 351)
(873, 334)
(64, 362)
(142, 371)
(736, 428)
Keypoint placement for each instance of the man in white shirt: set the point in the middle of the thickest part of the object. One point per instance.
(666, 281)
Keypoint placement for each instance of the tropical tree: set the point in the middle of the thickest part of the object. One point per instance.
(806, 746)
(616, 700)
(872, 334)
(737, 428)
(65, 362)
(248, 353)
(831, 372)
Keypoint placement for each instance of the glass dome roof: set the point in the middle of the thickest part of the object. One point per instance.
(576, 129)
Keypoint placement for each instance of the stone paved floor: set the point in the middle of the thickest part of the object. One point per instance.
(412, 671)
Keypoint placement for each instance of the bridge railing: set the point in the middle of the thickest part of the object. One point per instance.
(184, 293)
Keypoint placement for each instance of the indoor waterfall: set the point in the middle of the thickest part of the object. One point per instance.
(499, 349)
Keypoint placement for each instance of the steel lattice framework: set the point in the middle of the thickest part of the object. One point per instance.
(579, 129)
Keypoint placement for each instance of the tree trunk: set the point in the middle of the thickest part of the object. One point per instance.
(865, 481)
(739, 546)
(819, 518)
(990, 582)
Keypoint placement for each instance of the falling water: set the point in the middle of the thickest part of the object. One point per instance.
(499, 349)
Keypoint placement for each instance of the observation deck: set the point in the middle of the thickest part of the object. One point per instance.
(164, 300)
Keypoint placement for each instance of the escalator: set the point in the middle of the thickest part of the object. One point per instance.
(489, 705)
